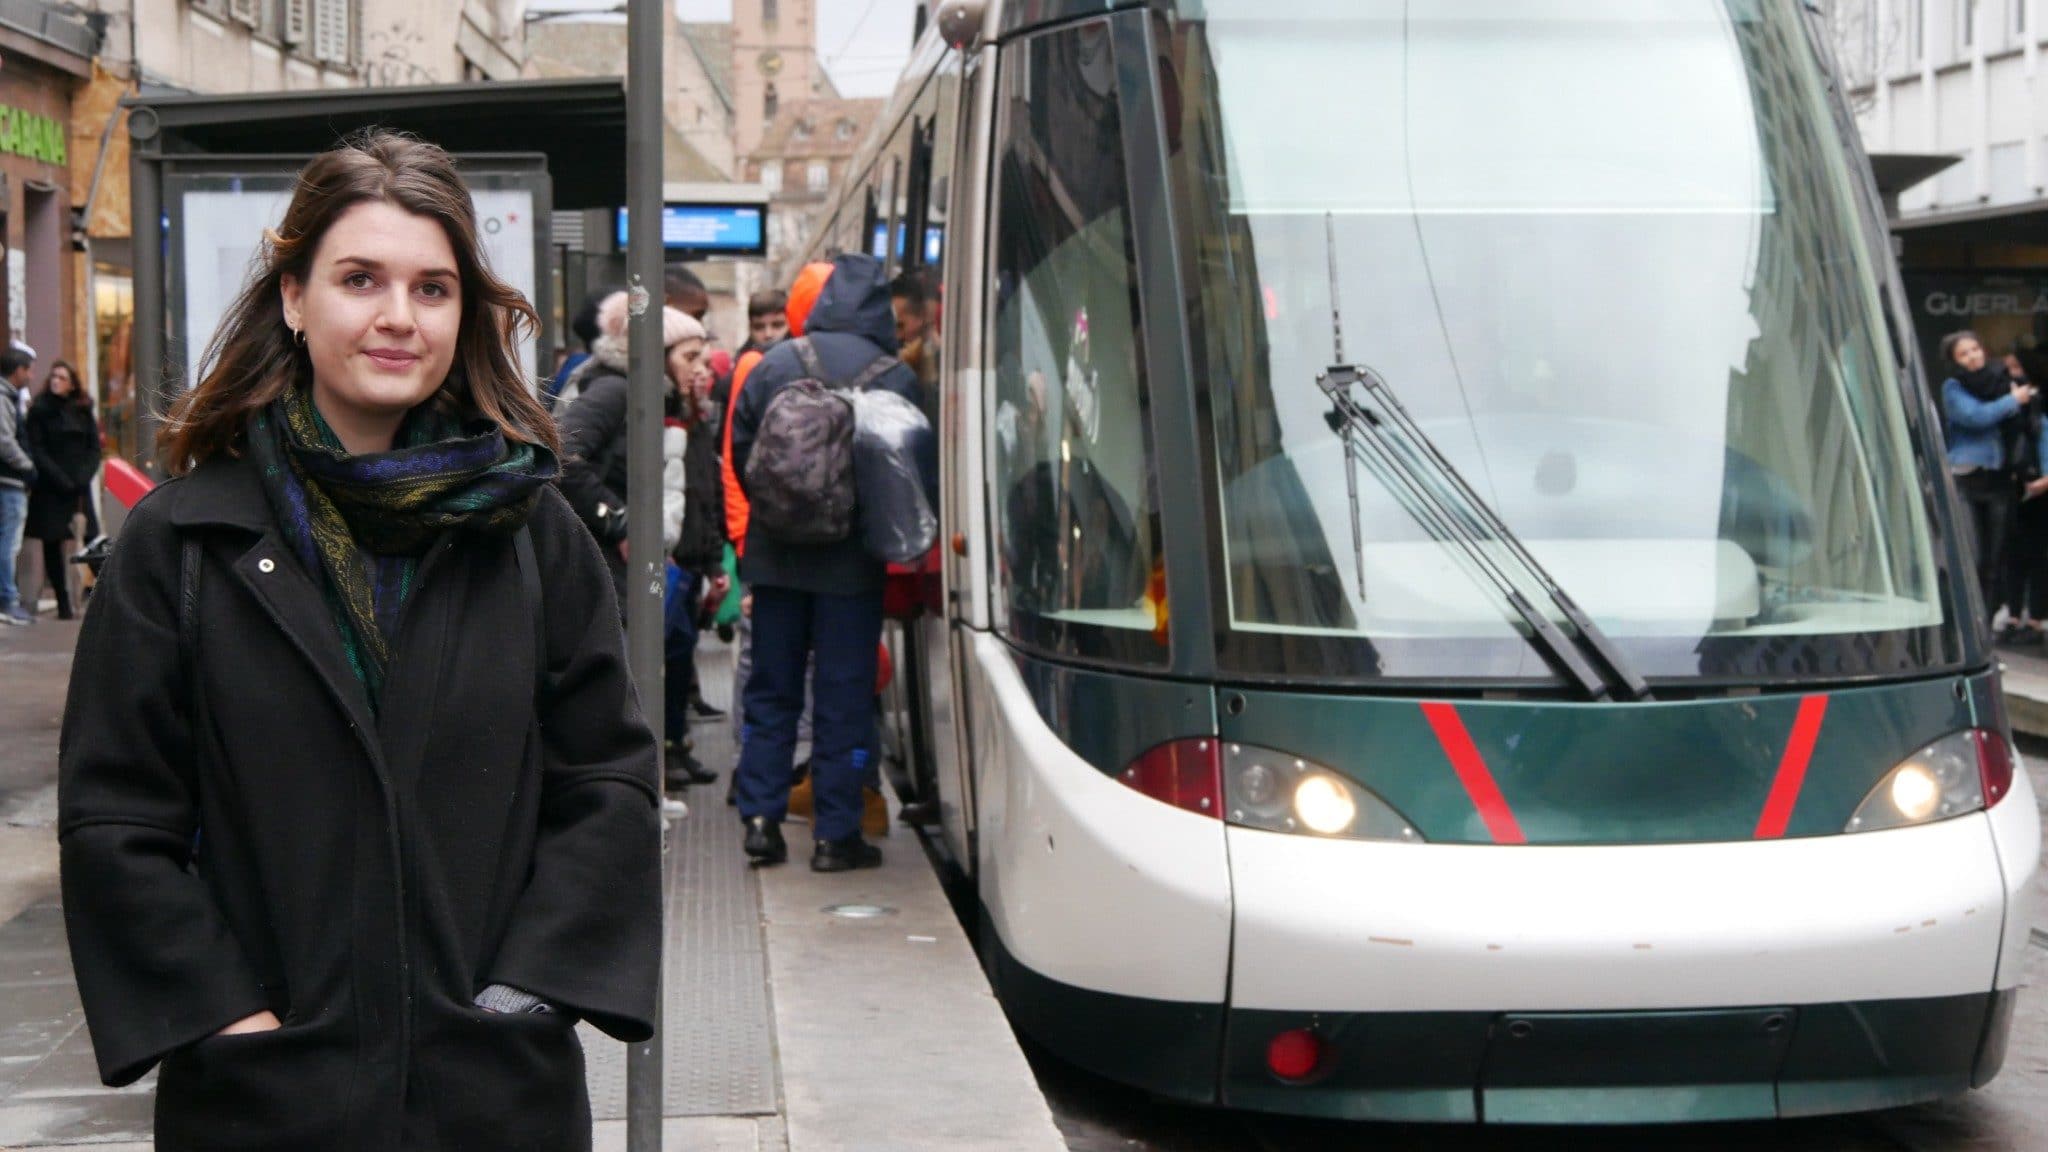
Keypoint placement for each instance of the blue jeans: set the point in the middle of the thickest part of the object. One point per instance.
(678, 648)
(843, 631)
(13, 518)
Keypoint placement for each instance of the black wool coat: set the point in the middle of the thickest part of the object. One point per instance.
(362, 876)
(64, 441)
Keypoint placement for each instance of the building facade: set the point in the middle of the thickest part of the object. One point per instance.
(1952, 105)
(48, 62)
(801, 159)
(230, 46)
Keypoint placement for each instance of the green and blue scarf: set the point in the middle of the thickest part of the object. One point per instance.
(360, 524)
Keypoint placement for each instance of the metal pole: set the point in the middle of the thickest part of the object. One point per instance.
(645, 31)
(148, 385)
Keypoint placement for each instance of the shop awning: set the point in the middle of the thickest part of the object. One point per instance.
(579, 124)
(1898, 171)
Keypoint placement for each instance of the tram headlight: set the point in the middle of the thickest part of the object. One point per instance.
(1324, 805)
(1281, 792)
(1944, 779)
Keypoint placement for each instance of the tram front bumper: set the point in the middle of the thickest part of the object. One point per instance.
(1620, 983)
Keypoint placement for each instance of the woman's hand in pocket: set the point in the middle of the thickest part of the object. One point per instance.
(265, 1021)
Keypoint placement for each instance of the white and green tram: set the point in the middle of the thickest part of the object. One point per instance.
(1451, 603)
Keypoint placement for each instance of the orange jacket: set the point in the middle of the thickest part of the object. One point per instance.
(802, 295)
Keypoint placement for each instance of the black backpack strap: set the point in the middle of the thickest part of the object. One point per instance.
(815, 368)
(536, 604)
(188, 656)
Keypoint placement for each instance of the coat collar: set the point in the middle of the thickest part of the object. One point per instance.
(225, 490)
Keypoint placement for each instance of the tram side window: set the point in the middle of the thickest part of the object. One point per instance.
(1076, 497)
(918, 292)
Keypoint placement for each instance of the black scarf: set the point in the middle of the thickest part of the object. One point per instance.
(1987, 383)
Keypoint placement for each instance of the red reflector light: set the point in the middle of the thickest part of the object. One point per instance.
(1294, 1055)
(1994, 765)
(1185, 773)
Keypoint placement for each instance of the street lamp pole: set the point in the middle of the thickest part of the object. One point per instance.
(646, 376)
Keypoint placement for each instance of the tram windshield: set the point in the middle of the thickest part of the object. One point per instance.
(1609, 253)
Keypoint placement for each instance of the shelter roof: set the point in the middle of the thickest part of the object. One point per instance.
(579, 124)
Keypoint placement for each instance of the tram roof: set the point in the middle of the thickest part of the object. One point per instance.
(1013, 16)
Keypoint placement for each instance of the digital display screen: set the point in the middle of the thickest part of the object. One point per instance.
(730, 229)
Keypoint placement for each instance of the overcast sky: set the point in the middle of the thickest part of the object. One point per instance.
(864, 43)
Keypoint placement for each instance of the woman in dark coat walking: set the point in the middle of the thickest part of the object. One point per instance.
(357, 809)
(64, 440)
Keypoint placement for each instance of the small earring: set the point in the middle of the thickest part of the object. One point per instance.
(298, 335)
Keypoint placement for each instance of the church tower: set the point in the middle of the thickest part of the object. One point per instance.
(774, 64)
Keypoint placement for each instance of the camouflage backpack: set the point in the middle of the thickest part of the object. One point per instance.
(800, 480)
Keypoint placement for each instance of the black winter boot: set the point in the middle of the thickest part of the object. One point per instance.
(764, 841)
(844, 855)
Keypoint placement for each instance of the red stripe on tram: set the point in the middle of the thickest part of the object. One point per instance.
(1472, 773)
(1792, 768)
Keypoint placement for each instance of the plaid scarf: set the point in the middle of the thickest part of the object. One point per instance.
(361, 523)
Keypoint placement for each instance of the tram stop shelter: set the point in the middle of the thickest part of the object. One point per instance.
(528, 147)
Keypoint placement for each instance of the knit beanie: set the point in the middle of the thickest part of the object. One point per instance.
(676, 326)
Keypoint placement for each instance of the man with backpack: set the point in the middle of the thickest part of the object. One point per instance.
(816, 590)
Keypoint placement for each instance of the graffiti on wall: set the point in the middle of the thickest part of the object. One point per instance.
(395, 57)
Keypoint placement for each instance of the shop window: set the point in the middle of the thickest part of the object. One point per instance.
(113, 292)
(1076, 499)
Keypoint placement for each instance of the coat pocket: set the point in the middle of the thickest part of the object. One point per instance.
(508, 1082)
(285, 1088)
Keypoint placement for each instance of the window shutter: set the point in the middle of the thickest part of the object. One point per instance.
(298, 19)
(331, 32)
(249, 12)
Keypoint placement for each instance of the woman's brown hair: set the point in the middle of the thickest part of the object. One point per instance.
(253, 358)
(79, 395)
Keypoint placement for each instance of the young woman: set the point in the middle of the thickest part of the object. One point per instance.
(1983, 412)
(592, 409)
(64, 440)
(357, 809)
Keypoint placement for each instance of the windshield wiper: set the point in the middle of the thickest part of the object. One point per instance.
(1378, 432)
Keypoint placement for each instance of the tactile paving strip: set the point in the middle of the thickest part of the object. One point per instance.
(720, 1051)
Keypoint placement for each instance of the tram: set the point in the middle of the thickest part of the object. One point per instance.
(1451, 605)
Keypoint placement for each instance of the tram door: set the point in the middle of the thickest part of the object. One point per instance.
(961, 155)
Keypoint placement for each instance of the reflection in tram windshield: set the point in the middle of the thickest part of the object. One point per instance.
(1623, 288)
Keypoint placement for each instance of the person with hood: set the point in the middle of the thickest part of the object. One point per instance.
(815, 599)
(1983, 418)
(797, 305)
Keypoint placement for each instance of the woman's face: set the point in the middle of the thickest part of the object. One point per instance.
(380, 311)
(684, 357)
(60, 381)
(1969, 355)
